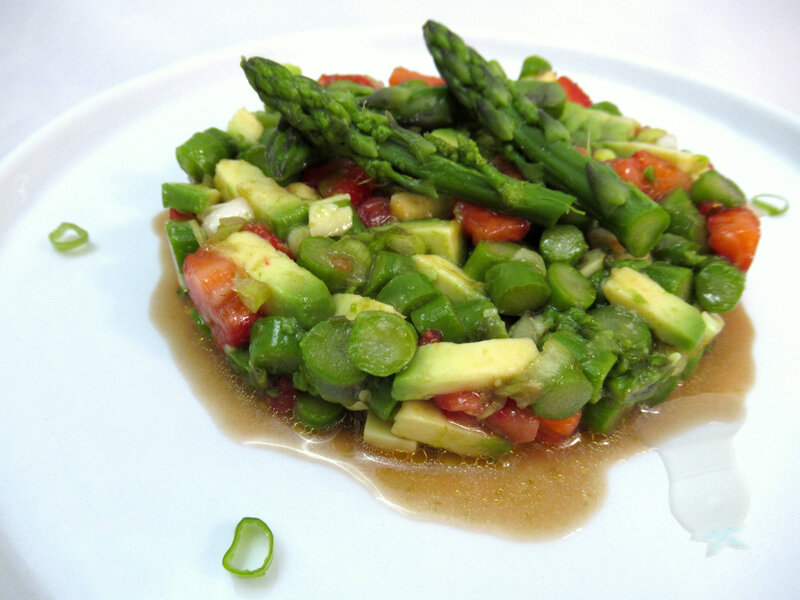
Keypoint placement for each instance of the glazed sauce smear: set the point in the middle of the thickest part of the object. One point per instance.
(539, 492)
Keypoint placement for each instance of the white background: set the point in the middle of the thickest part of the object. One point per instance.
(54, 54)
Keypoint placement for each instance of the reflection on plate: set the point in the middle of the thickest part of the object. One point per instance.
(707, 494)
(103, 445)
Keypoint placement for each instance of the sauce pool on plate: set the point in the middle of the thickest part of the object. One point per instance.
(540, 492)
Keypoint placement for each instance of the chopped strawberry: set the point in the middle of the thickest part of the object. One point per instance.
(340, 176)
(431, 336)
(574, 91)
(326, 80)
(472, 403)
(209, 276)
(517, 424)
(375, 211)
(401, 74)
(485, 224)
(261, 230)
(734, 233)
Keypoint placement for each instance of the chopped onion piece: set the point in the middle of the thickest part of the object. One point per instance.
(237, 208)
(668, 141)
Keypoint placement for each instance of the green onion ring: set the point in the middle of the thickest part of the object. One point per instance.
(769, 208)
(249, 532)
(68, 236)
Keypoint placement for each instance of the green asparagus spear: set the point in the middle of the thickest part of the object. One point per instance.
(414, 103)
(431, 165)
(547, 95)
(283, 153)
(492, 98)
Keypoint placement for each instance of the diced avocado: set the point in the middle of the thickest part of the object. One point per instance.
(447, 367)
(441, 237)
(378, 433)
(449, 279)
(652, 135)
(673, 320)
(271, 202)
(438, 236)
(423, 421)
(714, 324)
(233, 174)
(553, 383)
(303, 191)
(293, 291)
(406, 206)
(332, 217)
(350, 305)
(245, 128)
(603, 154)
(694, 164)
(327, 219)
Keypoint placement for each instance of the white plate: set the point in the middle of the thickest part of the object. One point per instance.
(116, 482)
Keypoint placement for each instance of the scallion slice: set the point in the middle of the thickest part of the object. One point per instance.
(774, 206)
(68, 236)
(250, 553)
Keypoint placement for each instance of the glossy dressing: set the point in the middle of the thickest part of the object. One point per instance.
(537, 493)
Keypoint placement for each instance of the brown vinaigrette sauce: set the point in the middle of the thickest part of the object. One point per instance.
(538, 492)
